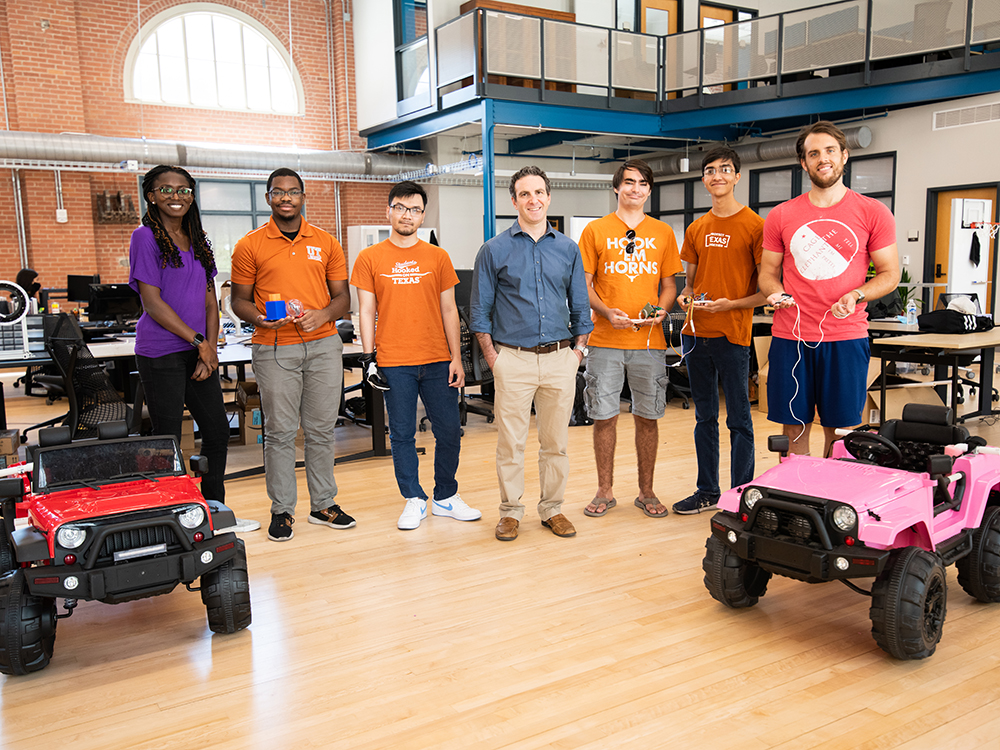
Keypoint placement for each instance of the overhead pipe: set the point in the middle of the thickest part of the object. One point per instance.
(762, 150)
(93, 148)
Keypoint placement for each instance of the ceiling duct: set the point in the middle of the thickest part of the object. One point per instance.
(763, 150)
(95, 149)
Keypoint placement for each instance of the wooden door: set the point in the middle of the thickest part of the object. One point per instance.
(709, 16)
(658, 17)
(942, 240)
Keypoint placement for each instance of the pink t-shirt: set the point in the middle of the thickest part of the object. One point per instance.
(826, 254)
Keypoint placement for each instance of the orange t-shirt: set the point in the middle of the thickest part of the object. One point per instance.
(407, 283)
(626, 281)
(727, 252)
(294, 269)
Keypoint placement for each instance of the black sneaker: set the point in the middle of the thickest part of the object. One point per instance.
(333, 517)
(696, 503)
(280, 529)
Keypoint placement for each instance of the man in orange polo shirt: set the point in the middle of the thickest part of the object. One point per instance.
(297, 357)
(417, 346)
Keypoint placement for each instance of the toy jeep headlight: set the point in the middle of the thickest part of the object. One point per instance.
(751, 496)
(71, 537)
(192, 518)
(844, 517)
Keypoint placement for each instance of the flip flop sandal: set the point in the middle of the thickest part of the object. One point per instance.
(609, 504)
(641, 504)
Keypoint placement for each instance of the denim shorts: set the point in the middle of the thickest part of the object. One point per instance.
(647, 380)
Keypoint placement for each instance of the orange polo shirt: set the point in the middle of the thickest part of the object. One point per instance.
(293, 269)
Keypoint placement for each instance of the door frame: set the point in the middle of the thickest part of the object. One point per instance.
(930, 238)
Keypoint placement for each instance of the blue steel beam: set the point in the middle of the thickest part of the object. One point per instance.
(489, 172)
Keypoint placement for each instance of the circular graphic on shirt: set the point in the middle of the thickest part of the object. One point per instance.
(823, 249)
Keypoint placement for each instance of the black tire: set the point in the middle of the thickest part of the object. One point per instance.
(730, 579)
(979, 571)
(27, 627)
(225, 592)
(909, 602)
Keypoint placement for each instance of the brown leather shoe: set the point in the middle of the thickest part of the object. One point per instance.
(507, 529)
(560, 525)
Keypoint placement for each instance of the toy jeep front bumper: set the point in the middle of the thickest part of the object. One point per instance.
(135, 579)
(793, 559)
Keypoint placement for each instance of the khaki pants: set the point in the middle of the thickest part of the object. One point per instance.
(550, 381)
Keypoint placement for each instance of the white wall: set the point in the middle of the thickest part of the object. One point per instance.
(374, 62)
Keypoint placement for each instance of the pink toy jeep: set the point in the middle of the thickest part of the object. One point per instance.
(897, 506)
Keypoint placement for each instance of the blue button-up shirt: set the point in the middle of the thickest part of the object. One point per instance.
(526, 293)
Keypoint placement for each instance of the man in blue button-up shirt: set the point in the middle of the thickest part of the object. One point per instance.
(531, 315)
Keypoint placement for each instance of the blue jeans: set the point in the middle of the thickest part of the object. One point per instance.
(168, 388)
(441, 404)
(709, 361)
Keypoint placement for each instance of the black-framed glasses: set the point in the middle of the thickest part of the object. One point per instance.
(400, 210)
(167, 190)
(630, 236)
(275, 193)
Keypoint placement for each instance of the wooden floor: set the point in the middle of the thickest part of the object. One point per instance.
(444, 638)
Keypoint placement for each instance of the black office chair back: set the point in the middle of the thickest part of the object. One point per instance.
(946, 297)
(92, 398)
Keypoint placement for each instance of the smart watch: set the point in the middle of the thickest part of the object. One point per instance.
(861, 295)
(198, 340)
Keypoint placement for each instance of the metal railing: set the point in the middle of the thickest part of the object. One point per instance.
(531, 52)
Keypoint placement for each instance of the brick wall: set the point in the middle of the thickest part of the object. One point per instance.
(67, 75)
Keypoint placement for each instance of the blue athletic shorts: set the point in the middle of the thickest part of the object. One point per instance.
(830, 378)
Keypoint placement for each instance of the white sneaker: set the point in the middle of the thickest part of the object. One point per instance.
(242, 525)
(413, 513)
(455, 507)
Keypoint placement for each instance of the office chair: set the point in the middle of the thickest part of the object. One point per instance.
(92, 398)
(945, 298)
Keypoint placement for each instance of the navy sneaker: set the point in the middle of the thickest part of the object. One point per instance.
(696, 503)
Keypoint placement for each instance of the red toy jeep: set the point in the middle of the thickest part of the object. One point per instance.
(112, 520)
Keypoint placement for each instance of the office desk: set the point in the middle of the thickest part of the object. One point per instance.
(944, 350)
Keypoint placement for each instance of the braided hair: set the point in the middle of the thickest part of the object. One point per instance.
(169, 254)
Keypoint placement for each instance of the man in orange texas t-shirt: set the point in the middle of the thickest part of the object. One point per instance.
(629, 260)
(415, 348)
(722, 250)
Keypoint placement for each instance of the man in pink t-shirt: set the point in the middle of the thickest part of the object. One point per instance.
(817, 250)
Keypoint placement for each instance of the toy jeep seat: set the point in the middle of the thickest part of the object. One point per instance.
(922, 432)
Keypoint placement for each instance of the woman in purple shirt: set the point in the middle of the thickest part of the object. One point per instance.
(172, 268)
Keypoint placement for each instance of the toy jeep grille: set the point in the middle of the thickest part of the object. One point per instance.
(779, 522)
(121, 541)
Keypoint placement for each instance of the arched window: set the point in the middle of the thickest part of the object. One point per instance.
(207, 55)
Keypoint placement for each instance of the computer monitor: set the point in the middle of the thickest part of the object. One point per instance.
(78, 287)
(463, 290)
(113, 302)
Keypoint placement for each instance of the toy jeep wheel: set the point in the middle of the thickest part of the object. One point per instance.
(909, 600)
(225, 592)
(979, 571)
(729, 578)
(27, 627)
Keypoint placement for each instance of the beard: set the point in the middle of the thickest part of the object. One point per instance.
(830, 180)
(405, 231)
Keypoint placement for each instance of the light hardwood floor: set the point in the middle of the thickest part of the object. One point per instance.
(444, 638)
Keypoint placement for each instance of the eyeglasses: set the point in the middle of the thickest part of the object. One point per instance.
(167, 190)
(724, 169)
(275, 193)
(400, 210)
(630, 236)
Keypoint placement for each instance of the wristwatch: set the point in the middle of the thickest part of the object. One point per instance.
(861, 295)
(198, 340)
(582, 349)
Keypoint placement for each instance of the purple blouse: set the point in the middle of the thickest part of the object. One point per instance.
(183, 289)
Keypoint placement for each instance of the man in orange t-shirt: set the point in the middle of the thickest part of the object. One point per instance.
(297, 358)
(722, 250)
(414, 348)
(629, 260)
